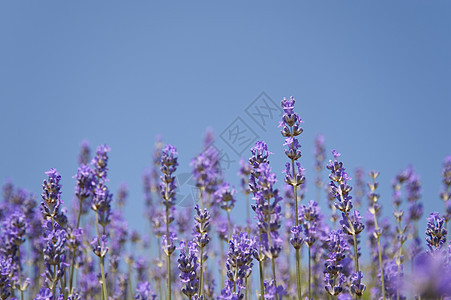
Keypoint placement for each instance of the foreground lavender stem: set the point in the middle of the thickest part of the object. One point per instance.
(201, 229)
(352, 225)
(167, 189)
(291, 128)
(374, 210)
(101, 205)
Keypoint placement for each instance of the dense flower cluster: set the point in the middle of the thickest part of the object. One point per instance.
(289, 249)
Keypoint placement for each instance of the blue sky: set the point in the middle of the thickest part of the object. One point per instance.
(372, 76)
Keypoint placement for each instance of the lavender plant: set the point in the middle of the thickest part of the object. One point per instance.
(91, 255)
(351, 223)
(167, 190)
(291, 124)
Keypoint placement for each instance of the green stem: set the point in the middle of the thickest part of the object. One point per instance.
(298, 274)
(102, 271)
(168, 267)
(262, 287)
(201, 270)
(380, 255)
(221, 249)
(309, 274)
(20, 277)
(229, 225)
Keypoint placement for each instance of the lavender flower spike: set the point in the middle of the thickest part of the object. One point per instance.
(436, 232)
(351, 223)
(169, 164)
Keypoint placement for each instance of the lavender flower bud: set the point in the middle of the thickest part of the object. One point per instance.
(436, 232)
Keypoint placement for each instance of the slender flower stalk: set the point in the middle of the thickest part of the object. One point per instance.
(167, 190)
(375, 211)
(225, 198)
(239, 265)
(201, 228)
(101, 205)
(244, 173)
(54, 233)
(266, 204)
(445, 194)
(351, 223)
(291, 124)
(309, 218)
(400, 229)
(320, 157)
(189, 268)
(260, 155)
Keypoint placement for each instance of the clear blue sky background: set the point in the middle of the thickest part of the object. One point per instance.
(372, 76)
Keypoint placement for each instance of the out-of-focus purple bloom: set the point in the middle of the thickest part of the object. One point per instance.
(432, 276)
(100, 162)
(141, 267)
(392, 279)
(309, 217)
(144, 291)
(5, 279)
(99, 246)
(122, 195)
(320, 156)
(272, 291)
(206, 167)
(359, 190)
(83, 187)
(446, 175)
(244, 172)
(232, 292)
(14, 230)
(436, 232)
(224, 197)
(44, 294)
(85, 153)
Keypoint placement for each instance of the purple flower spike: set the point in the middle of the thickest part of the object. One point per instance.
(260, 154)
(144, 291)
(436, 232)
(356, 283)
(189, 269)
(224, 197)
(44, 294)
(334, 276)
(340, 188)
(5, 280)
(51, 198)
(168, 166)
(239, 259)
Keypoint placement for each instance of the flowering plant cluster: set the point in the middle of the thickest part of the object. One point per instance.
(332, 247)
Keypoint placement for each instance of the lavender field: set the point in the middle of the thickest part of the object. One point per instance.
(288, 248)
(151, 150)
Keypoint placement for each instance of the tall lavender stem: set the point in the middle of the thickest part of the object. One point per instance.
(374, 210)
(167, 189)
(291, 123)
